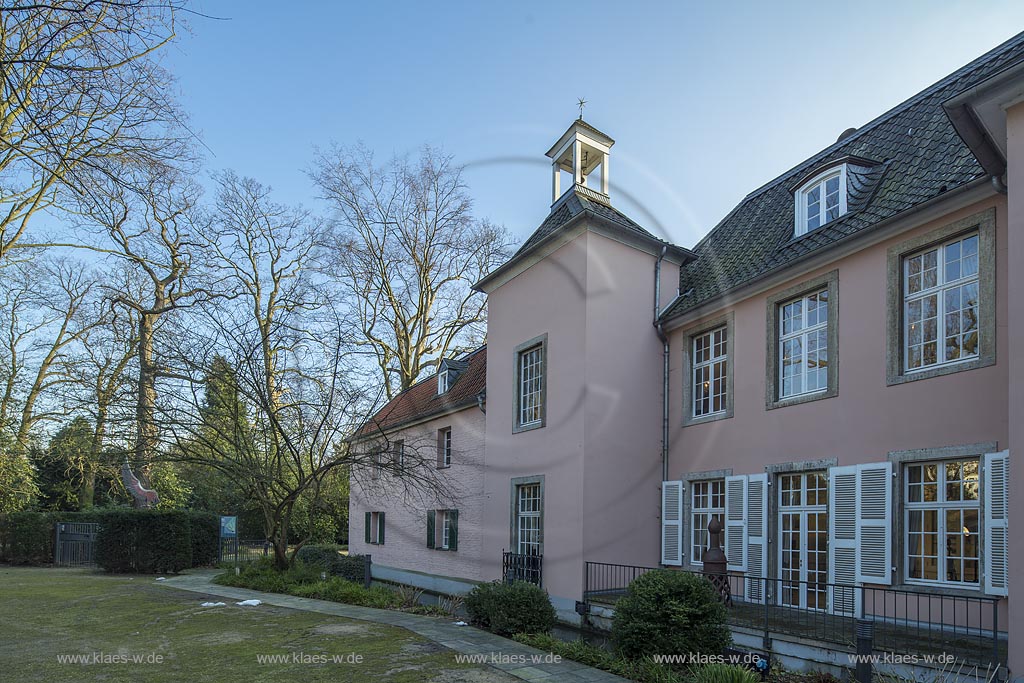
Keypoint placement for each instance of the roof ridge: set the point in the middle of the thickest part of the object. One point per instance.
(892, 112)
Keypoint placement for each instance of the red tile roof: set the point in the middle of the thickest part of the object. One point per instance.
(421, 400)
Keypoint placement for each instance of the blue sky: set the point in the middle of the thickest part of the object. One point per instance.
(706, 101)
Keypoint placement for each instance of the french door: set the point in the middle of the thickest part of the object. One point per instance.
(803, 540)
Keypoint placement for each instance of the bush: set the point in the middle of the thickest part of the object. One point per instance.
(510, 608)
(144, 541)
(28, 537)
(204, 528)
(644, 670)
(329, 559)
(725, 673)
(304, 581)
(670, 612)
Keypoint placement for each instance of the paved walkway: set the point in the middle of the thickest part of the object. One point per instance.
(467, 640)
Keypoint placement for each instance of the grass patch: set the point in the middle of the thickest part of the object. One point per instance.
(46, 613)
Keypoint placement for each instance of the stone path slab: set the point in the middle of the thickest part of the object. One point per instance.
(505, 655)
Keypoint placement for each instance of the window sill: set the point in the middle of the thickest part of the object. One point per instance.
(949, 590)
(444, 467)
(516, 429)
(713, 417)
(802, 398)
(940, 370)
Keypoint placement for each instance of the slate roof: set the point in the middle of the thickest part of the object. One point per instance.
(918, 155)
(581, 199)
(421, 400)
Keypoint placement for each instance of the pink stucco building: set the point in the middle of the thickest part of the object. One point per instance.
(834, 372)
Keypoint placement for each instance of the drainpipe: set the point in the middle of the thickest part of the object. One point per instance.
(998, 184)
(665, 354)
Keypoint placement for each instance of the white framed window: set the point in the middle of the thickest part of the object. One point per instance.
(942, 537)
(443, 381)
(398, 453)
(820, 200)
(940, 304)
(710, 372)
(446, 529)
(803, 344)
(707, 502)
(531, 382)
(375, 528)
(529, 506)
(444, 447)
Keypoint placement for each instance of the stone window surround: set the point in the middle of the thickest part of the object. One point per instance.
(688, 480)
(829, 280)
(542, 340)
(985, 224)
(729, 322)
(898, 460)
(773, 471)
(514, 484)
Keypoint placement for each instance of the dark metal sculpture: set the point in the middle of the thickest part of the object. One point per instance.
(144, 498)
(715, 562)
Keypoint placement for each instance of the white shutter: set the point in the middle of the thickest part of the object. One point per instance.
(874, 523)
(736, 522)
(996, 530)
(672, 522)
(757, 536)
(842, 536)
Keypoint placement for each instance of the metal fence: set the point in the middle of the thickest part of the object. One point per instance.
(238, 551)
(517, 567)
(905, 621)
(75, 544)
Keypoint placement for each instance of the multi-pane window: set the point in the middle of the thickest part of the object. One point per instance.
(707, 502)
(446, 529)
(942, 527)
(530, 391)
(710, 370)
(940, 309)
(399, 453)
(822, 203)
(528, 519)
(444, 447)
(803, 539)
(803, 345)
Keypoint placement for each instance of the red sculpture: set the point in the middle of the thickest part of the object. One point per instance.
(144, 498)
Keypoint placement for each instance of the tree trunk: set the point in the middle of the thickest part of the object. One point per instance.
(145, 409)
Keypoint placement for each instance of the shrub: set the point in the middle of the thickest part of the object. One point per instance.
(30, 538)
(725, 673)
(510, 608)
(330, 559)
(304, 581)
(670, 612)
(644, 670)
(144, 541)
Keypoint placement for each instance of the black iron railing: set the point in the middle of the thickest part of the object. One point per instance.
(517, 567)
(239, 551)
(905, 621)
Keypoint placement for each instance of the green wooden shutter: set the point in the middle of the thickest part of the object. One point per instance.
(380, 528)
(367, 529)
(453, 530)
(430, 528)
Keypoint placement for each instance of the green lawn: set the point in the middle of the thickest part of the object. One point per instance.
(47, 614)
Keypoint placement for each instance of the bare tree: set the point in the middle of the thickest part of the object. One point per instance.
(405, 250)
(44, 316)
(157, 230)
(81, 91)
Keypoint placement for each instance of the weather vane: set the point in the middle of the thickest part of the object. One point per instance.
(582, 103)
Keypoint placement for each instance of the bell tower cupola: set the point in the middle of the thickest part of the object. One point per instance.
(579, 153)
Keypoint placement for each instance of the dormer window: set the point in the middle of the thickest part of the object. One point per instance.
(443, 381)
(820, 200)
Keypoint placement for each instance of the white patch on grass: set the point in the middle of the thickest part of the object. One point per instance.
(249, 603)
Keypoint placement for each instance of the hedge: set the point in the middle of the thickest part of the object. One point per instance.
(329, 558)
(129, 540)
